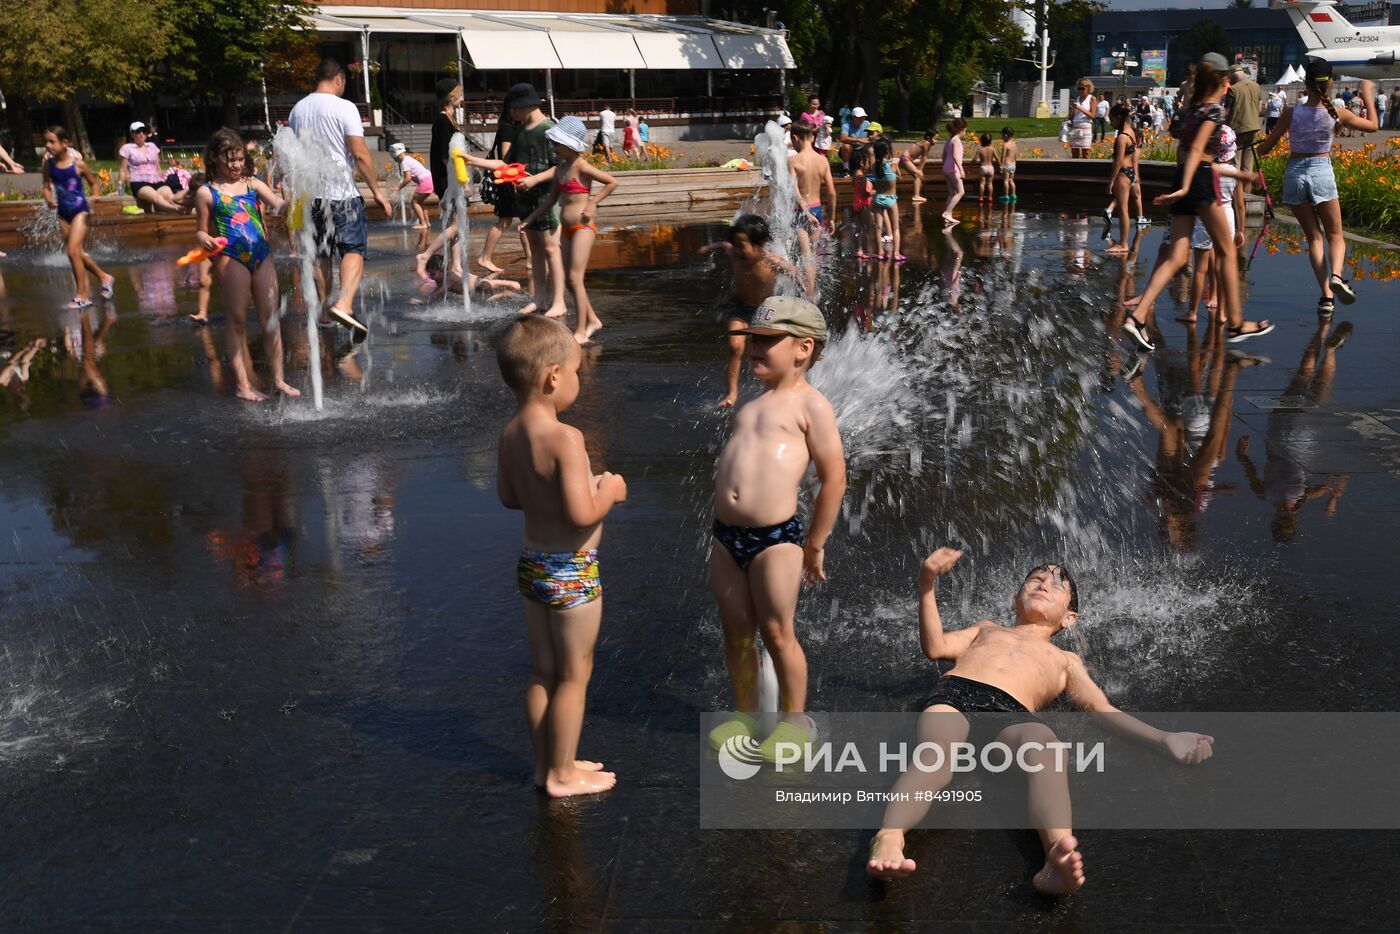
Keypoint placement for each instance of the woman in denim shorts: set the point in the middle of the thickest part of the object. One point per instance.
(1309, 185)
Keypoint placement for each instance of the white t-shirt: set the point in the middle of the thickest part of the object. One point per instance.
(608, 119)
(331, 119)
(1102, 109)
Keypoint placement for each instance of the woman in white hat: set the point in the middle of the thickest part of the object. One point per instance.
(140, 172)
(414, 173)
(573, 177)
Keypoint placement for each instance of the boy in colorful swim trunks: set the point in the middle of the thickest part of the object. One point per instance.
(1009, 673)
(756, 270)
(543, 469)
(759, 557)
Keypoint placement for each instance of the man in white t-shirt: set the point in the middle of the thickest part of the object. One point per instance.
(607, 125)
(328, 117)
(1101, 118)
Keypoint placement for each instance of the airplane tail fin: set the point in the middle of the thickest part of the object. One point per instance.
(1317, 21)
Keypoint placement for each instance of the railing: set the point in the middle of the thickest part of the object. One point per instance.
(486, 111)
(280, 112)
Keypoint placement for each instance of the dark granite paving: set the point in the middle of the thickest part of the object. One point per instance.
(261, 667)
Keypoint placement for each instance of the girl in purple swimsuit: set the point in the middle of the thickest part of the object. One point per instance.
(64, 172)
(227, 206)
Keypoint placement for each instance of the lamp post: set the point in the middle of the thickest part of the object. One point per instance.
(1044, 63)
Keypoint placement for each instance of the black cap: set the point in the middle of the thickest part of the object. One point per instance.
(522, 95)
(1317, 68)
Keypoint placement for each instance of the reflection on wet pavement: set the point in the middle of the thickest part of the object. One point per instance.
(269, 660)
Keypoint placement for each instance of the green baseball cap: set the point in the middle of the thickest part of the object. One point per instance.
(786, 315)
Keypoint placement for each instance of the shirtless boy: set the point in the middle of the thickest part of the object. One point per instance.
(812, 173)
(1013, 671)
(759, 559)
(756, 270)
(543, 469)
(1009, 149)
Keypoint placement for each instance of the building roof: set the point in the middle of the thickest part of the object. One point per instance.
(501, 40)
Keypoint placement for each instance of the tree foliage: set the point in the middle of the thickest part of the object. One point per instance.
(224, 48)
(54, 49)
(1205, 35)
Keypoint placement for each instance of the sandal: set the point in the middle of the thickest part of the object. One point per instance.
(1325, 307)
(1137, 330)
(78, 304)
(1342, 288)
(1235, 335)
(1339, 338)
(1135, 368)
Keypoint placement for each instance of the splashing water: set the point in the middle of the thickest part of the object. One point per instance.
(394, 180)
(42, 232)
(771, 151)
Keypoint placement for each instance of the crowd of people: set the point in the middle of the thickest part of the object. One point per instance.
(762, 551)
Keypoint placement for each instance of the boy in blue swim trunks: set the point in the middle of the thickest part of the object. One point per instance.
(1009, 673)
(760, 557)
(543, 469)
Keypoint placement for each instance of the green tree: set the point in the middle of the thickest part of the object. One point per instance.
(55, 49)
(1205, 35)
(225, 48)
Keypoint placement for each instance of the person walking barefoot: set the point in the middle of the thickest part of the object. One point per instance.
(572, 178)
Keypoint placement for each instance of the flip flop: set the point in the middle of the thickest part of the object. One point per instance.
(785, 733)
(347, 319)
(741, 724)
(1235, 335)
(78, 304)
(1342, 289)
(1138, 331)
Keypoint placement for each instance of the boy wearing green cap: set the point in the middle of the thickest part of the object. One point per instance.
(760, 557)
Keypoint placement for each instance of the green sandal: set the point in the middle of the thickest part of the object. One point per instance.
(785, 733)
(741, 724)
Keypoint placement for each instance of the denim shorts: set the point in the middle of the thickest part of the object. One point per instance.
(351, 229)
(1310, 180)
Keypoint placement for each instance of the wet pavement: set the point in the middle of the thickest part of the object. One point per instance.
(262, 666)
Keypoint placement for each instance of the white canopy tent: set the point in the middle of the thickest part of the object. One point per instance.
(555, 41)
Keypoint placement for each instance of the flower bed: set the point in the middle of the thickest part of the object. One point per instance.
(1368, 179)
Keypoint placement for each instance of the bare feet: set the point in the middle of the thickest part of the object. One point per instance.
(918, 200)
(1117, 248)
(287, 389)
(249, 394)
(1187, 319)
(529, 309)
(1063, 873)
(589, 332)
(728, 401)
(419, 227)
(583, 765)
(487, 265)
(949, 220)
(420, 265)
(557, 311)
(887, 859)
(564, 784)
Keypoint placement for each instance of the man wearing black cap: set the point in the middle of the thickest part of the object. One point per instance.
(535, 150)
